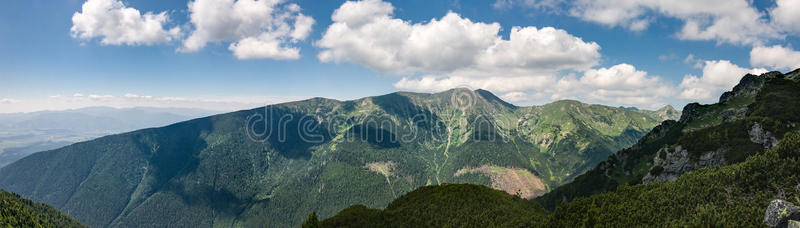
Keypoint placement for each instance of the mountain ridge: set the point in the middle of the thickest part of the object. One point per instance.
(748, 119)
(388, 144)
(24, 133)
(720, 165)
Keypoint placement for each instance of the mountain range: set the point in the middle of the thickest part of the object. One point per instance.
(272, 166)
(22, 134)
(719, 165)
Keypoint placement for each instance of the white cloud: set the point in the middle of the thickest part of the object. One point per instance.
(495, 84)
(256, 29)
(620, 84)
(775, 57)
(618, 76)
(453, 51)
(129, 100)
(520, 96)
(95, 96)
(547, 49)
(365, 33)
(130, 95)
(8, 101)
(726, 21)
(693, 61)
(118, 24)
(718, 76)
(357, 14)
(785, 15)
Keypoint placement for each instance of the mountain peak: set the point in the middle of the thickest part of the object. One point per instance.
(667, 107)
(489, 96)
(750, 84)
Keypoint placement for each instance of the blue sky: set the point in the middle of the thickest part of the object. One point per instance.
(640, 54)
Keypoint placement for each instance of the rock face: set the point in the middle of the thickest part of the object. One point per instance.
(780, 213)
(760, 136)
(794, 75)
(690, 112)
(748, 84)
(669, 165)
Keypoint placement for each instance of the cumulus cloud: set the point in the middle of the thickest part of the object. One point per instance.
(533, 64)
(256, 29)
(117, 24)
(496, 84)
(620, 84)
(521, 96)
(785, 15)
(775, 57)
(718, 76)
(366, 33)
(726, 21)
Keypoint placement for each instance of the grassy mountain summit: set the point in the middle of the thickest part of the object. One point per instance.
(275, 165)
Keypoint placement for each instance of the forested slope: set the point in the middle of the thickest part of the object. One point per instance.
(275, 165)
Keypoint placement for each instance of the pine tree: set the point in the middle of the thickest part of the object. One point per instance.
(312, 221)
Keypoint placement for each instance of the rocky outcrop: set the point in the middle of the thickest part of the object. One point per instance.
(733, 114)
(781, 213)
(668, 164)
(762, 137)
(691, 112)
(749, 85)
(794, 75)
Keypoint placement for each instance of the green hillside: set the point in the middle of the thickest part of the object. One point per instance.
(719, 165)
(730, 196)
(16, 211)
(746, 121)
(447, 205)
(275, 165)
